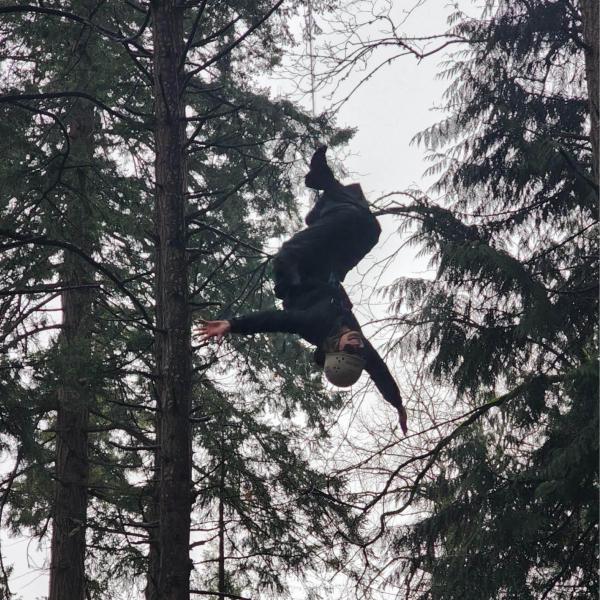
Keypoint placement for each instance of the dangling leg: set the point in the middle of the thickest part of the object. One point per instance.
(306, 255)
(358, 236)
(285, 274)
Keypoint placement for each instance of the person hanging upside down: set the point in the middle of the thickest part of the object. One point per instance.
(341, 231)
(321, 313)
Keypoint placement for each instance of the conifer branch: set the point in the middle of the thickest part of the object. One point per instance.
(22, 239)
(15, 98)
(433, 454)
(69, 16)
(233, 44)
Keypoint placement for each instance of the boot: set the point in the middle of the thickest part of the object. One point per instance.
(319, 176)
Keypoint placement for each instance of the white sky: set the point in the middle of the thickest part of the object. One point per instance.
(388, 111)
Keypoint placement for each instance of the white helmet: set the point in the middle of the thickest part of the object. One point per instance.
(343, 369)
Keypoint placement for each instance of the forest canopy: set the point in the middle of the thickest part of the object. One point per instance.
(148, 170)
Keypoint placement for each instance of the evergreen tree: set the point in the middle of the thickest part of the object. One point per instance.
(510, 320)
(239, 146)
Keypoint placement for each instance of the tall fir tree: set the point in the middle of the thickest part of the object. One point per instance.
(239, 147)
(510, 495)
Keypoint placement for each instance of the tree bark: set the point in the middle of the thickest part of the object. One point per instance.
(222, 581)
(153, 515)
(172, 308)
(68, 545)
(591, 37)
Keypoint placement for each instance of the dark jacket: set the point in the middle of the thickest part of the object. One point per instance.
(315, 314)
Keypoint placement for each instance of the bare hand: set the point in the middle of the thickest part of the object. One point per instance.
(403, 419)
(213, 329)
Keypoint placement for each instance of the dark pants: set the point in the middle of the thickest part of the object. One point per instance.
(327, 249)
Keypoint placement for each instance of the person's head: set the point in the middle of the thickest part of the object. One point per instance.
(343, 362)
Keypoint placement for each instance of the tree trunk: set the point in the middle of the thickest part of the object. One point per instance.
(67, 576)
(591, 37)
(222, 582)
(172, 308)
(68, 545)
(152, 515)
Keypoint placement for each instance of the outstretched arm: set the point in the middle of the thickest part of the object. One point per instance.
(285, 321)
(384, 381)
(271, 321)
